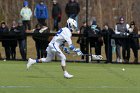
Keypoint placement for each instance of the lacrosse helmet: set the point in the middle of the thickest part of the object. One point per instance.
(71, 24)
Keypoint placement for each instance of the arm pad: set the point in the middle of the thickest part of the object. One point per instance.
(72, 47)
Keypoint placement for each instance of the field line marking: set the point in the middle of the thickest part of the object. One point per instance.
(15, 86)
(94, 87)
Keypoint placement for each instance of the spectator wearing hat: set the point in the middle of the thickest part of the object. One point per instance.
(133, 30)
(4, 30)
(56, 15)
(41, 12)
(121, 29)
(26, 14)
(95, 37)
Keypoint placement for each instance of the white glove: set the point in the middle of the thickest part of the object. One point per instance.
(78, 51)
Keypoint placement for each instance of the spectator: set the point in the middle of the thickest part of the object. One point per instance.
(133, 30)
(107, 33)
(37, 40)
(13, 41)
(21, 39)
(26, 14)
(122, 30)
(82, 39)
(72, 10)
(41, 40)
(56, 15)
(95, 37)
(4, 30)
(41, 12)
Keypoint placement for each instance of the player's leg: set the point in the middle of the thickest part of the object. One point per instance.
(41, 60)
(63, 65)
(49, 57)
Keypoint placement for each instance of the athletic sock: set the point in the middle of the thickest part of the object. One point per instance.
(65, 72)
(37, 60)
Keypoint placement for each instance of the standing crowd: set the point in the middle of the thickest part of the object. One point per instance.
(123, 37)
(15, 35)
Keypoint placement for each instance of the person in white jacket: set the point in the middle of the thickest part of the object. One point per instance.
(26, 15)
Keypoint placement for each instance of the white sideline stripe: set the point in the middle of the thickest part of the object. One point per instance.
(108, 87)
(100, 87)
(15, 86)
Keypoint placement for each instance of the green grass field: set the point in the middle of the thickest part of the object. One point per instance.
(88, 78)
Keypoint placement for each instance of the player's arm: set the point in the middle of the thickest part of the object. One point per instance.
(76, 50)
(67, 37)
(65, 49)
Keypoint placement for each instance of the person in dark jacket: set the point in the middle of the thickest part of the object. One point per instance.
(37, 40)
(41, 40)
(41, 12)
(107, 33)
(133, 30)
(13, 41)
(82, 39)
(95, 37)
(56, 15)
(21, 39)
(4, 30)
(72, 9)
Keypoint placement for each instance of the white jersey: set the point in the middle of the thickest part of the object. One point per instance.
(64, 34)
(61, 36)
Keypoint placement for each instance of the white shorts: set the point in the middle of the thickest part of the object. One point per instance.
(53, 49)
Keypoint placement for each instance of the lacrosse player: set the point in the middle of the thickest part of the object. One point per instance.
(63, 35)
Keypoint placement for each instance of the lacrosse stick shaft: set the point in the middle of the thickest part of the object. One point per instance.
(86, 55)
(83, 55)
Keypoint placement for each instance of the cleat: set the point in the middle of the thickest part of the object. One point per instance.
(30, 63)
(68, 76)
